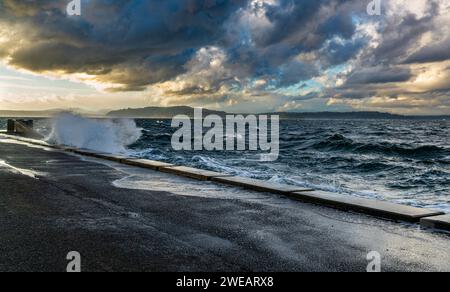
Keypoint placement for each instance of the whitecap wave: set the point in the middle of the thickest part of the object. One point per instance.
(105, 135)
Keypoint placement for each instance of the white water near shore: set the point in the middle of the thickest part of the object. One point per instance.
(105, 135)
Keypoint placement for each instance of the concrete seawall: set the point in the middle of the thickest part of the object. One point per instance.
(54, 202)
(379, 209)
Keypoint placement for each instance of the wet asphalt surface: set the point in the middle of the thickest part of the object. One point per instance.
(72, 205)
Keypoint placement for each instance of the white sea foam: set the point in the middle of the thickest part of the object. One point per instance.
(105, 135)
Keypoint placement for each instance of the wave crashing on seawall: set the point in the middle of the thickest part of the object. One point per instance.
(104, 135)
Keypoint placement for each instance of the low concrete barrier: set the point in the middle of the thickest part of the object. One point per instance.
(436, 222)
(259, 185)
(87, 152)
(427, 218)
(371, 207)
(145, 163)
(193, 172)
(112, 157)
(93, 153)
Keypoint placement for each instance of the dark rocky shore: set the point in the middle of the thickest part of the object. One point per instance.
(72, 205)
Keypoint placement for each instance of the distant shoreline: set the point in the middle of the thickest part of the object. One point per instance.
(170, 112)
(405, 118)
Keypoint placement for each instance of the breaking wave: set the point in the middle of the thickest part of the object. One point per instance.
(105, 135)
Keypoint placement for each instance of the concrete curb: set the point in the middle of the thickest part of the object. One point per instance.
(86, 152)
(112, 157)
(427, 218)
(371, 207)
(145, 163)
(436, 222)
(194, 173)
(259, 185)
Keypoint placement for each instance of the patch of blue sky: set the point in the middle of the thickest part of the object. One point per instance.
(301, 88)
(14, 79)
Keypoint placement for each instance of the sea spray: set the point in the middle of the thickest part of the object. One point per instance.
(105, 135)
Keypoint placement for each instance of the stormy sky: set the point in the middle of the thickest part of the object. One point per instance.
(235, 55)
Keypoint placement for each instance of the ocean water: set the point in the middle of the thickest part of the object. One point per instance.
(403, 161)
(406, 162)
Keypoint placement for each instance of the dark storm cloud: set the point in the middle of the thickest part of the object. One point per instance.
(308, 24)
(295, 71)
(432, 53)
(403, 32)
(139, 43)
(362, 83)
(135, 43)
(378, 75)
(339, 25)
(248, 48)
(302, 26)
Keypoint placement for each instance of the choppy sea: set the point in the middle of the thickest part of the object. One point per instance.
(404, 161)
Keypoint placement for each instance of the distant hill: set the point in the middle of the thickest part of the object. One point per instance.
(356, 115)
(338, 115)
(170, 112)
(160, 112)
